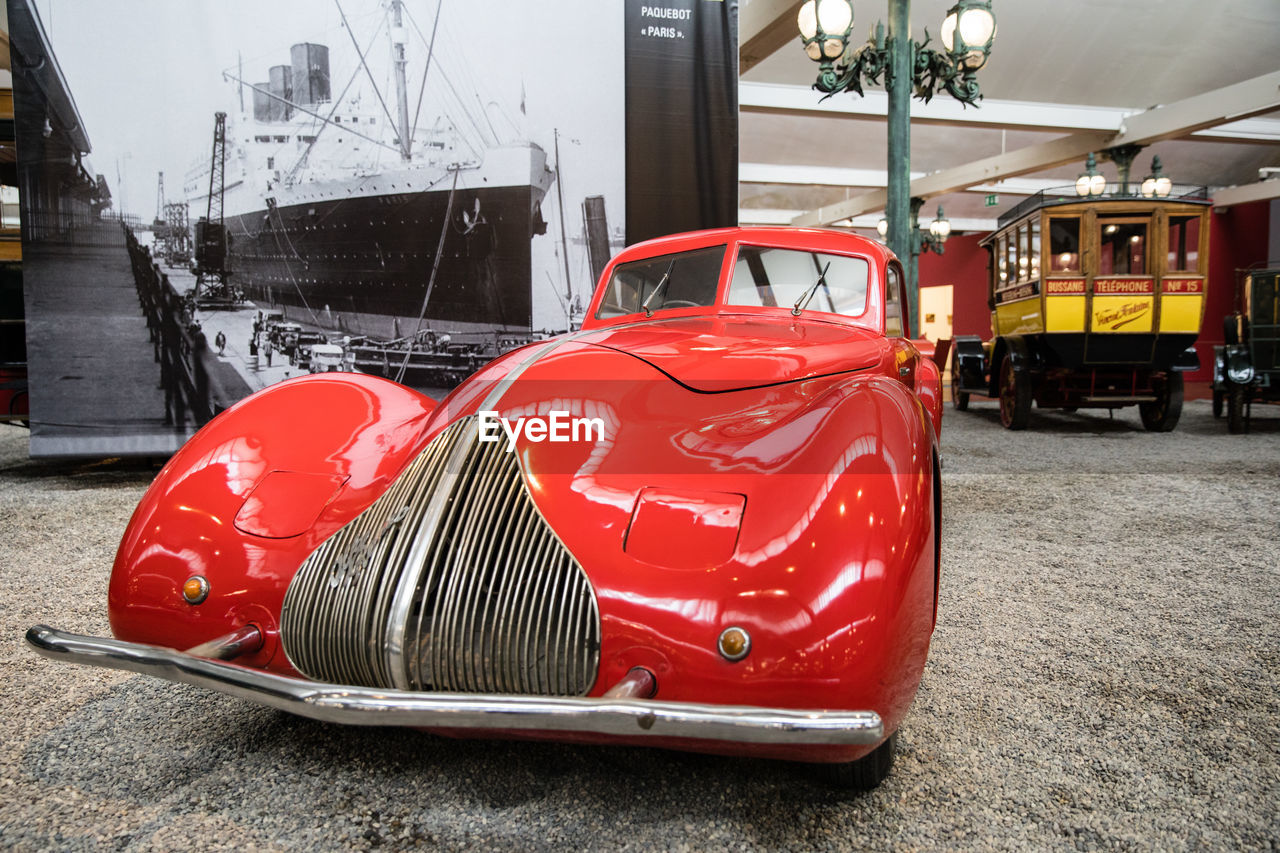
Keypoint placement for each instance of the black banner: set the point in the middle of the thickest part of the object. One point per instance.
(682, 116)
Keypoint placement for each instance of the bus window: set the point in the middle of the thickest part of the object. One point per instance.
(1034, 271)
(1184, 243)
(1122, 248)
(1064, 245)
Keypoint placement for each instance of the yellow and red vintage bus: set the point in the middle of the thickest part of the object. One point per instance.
(1095, 302)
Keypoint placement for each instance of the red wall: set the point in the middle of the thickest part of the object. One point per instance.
(964, 266)
(1238, 238)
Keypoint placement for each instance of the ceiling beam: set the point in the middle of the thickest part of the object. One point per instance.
(1033, 158)
(1230, 103)
(800, 100)
(1235, 102)
(774, 99)
(764, 28)
(1261, 191)
(779, 216)
(832, 176)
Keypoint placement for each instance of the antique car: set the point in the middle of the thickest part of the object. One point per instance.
(1096, 302)
(706, 521)
(1247, 365)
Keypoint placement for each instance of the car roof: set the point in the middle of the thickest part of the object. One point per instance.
(821, 239)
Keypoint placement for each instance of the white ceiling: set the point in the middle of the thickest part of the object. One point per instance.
(1055, 68)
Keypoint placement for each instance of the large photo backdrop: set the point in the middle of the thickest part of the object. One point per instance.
(220, 195)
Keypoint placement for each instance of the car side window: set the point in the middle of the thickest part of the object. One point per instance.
(894, 325)
(679, 280)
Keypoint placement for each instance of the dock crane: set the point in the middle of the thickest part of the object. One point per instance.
(212, 288)
(159, 225)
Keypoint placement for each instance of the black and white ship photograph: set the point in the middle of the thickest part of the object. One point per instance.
(218, 196)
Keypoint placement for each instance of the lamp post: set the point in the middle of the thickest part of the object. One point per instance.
(931, 239)
(906, 66)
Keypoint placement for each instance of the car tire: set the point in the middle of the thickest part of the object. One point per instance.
(1015, 396)
(866, 773)
(959, 399)
(1235, 408)
(1162, 414)
(1218, 400)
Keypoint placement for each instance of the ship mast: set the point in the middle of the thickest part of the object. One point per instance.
(402, 98)
(564, 242)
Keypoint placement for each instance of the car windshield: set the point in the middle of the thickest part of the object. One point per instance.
(784, 277)
(679, 280)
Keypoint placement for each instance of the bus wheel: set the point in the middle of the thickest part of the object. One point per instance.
(1161, 415)
(1015, 396)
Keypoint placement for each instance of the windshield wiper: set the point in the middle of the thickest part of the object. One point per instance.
(666, 276)
(808, 294)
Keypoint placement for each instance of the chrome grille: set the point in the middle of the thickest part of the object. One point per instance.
(450, 581)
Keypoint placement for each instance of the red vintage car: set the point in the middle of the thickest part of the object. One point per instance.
(708, 521)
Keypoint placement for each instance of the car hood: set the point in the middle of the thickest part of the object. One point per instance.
(734, 352)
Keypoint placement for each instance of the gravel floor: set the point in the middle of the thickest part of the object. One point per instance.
(1104, 675)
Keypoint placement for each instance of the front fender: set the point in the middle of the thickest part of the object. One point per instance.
(832, 570)
(247, 498)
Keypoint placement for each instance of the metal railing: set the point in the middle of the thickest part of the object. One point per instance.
(180, 346)
(81, 229)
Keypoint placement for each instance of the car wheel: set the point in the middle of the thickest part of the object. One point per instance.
(1161, 415)
(1235, 408)
(1217, 403)
(866, 773)
(959, 399)
(1015, 396)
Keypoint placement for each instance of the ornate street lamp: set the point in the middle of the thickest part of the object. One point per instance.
(1090, 183)
(906, 67)
(940, 229)
(923, 241)
(1156, 185)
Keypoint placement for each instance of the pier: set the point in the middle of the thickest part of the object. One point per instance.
(123, 374)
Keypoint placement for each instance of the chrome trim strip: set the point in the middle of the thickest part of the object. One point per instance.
(416, 563)
(492, 398)
(336, 703)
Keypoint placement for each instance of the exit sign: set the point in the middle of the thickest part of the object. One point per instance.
(992, 199)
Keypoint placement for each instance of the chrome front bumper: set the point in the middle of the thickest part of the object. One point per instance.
(335, 703)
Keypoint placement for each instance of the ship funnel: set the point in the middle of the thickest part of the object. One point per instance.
(261, 102)
(281, 86)
(310, 73)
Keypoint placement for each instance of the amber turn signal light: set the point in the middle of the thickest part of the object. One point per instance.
(734, 643)
(195, 590)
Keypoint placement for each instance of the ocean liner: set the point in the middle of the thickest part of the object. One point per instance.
(365, 223)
